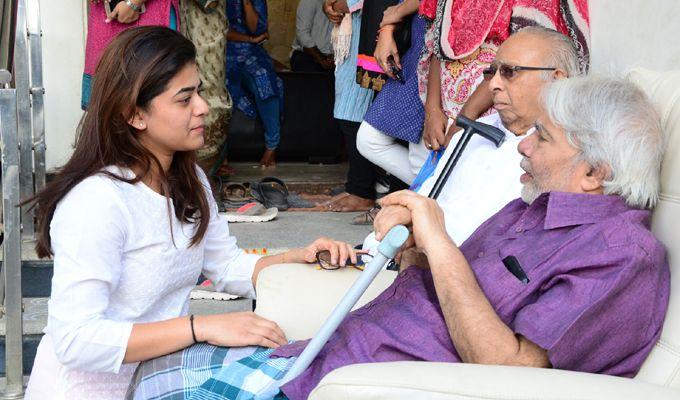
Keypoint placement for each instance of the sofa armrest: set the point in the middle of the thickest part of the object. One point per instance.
(428, 380)
(300, 297)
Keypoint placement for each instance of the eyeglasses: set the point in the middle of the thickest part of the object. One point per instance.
(323, 259)
(509, 71)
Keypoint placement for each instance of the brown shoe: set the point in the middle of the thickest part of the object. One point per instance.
(367, 217)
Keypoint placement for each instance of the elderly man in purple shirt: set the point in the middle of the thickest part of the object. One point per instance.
(569, 276)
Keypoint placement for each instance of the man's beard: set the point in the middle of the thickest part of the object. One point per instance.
(530, 190)
(545, 181)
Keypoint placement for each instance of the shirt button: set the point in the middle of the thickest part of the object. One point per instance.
(480, 255)
(519, 229)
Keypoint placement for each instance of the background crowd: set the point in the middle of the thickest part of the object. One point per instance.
(403, 70)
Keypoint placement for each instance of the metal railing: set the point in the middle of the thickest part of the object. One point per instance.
(11, 267)
(22, 154)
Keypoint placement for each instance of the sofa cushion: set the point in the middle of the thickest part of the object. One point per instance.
(299, 297)
(663, 365)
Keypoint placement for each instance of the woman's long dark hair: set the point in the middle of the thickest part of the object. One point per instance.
(135, 67)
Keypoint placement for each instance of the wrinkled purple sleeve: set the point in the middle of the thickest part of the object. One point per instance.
(603, 316)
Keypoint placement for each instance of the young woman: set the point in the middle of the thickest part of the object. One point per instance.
(131, 224)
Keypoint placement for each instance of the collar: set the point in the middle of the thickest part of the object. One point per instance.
(495, 120)
(569, 209)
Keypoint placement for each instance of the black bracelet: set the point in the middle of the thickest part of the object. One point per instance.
(193, 333)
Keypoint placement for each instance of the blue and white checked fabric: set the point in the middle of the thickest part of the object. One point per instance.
(206, 372)
(246, 379)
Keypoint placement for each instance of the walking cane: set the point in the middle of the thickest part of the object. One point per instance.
(491, 133)
(387, 249)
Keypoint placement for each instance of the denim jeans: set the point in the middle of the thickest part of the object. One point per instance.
(269, 112)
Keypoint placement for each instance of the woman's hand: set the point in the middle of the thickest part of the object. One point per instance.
(124, 13)
(385, 48)
(392, 15)
(453, 129)
(238, 329)
(434, 129)
(259, 38)
(340, 252)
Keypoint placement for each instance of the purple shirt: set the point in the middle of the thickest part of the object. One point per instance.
(596, 300)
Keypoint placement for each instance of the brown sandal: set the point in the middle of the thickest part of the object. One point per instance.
(366, 218)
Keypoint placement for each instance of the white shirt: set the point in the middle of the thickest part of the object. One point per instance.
(115, 264)
(484, 180)
(312, 27)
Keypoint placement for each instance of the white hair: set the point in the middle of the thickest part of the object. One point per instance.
(613, 124)
(562, 53)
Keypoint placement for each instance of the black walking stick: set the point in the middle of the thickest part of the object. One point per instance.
(495, 135)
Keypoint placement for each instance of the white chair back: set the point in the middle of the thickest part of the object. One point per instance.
(662, 367)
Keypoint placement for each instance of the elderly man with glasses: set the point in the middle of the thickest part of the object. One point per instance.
(485, 177)
(568, 276)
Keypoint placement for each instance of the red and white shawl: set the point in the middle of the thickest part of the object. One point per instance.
(463, 25)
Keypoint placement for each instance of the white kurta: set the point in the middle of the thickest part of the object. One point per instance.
(116, 264)
(485, 179)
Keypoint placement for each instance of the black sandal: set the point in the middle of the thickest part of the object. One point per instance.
(271, 191)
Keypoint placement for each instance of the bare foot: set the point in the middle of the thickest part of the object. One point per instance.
(351, 203)
(268, 158)
(333, 199)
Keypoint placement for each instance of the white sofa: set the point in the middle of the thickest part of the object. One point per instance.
(299, 297)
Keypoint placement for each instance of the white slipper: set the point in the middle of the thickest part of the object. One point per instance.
(206, 291)
(252, 212)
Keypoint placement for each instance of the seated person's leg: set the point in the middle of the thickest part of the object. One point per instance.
(303, 62)
(269, 111)
(205, 368)
(244, 378)
(384, 151)
(184, 370)
(361, 176)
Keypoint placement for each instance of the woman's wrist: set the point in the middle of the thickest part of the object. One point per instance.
(433, 110)
(401, 10)
(386, 31)
(389, 28)
(197, 328)
(292, 256)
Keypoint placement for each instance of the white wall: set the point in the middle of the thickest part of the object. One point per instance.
(63, 59)
(634, 33)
